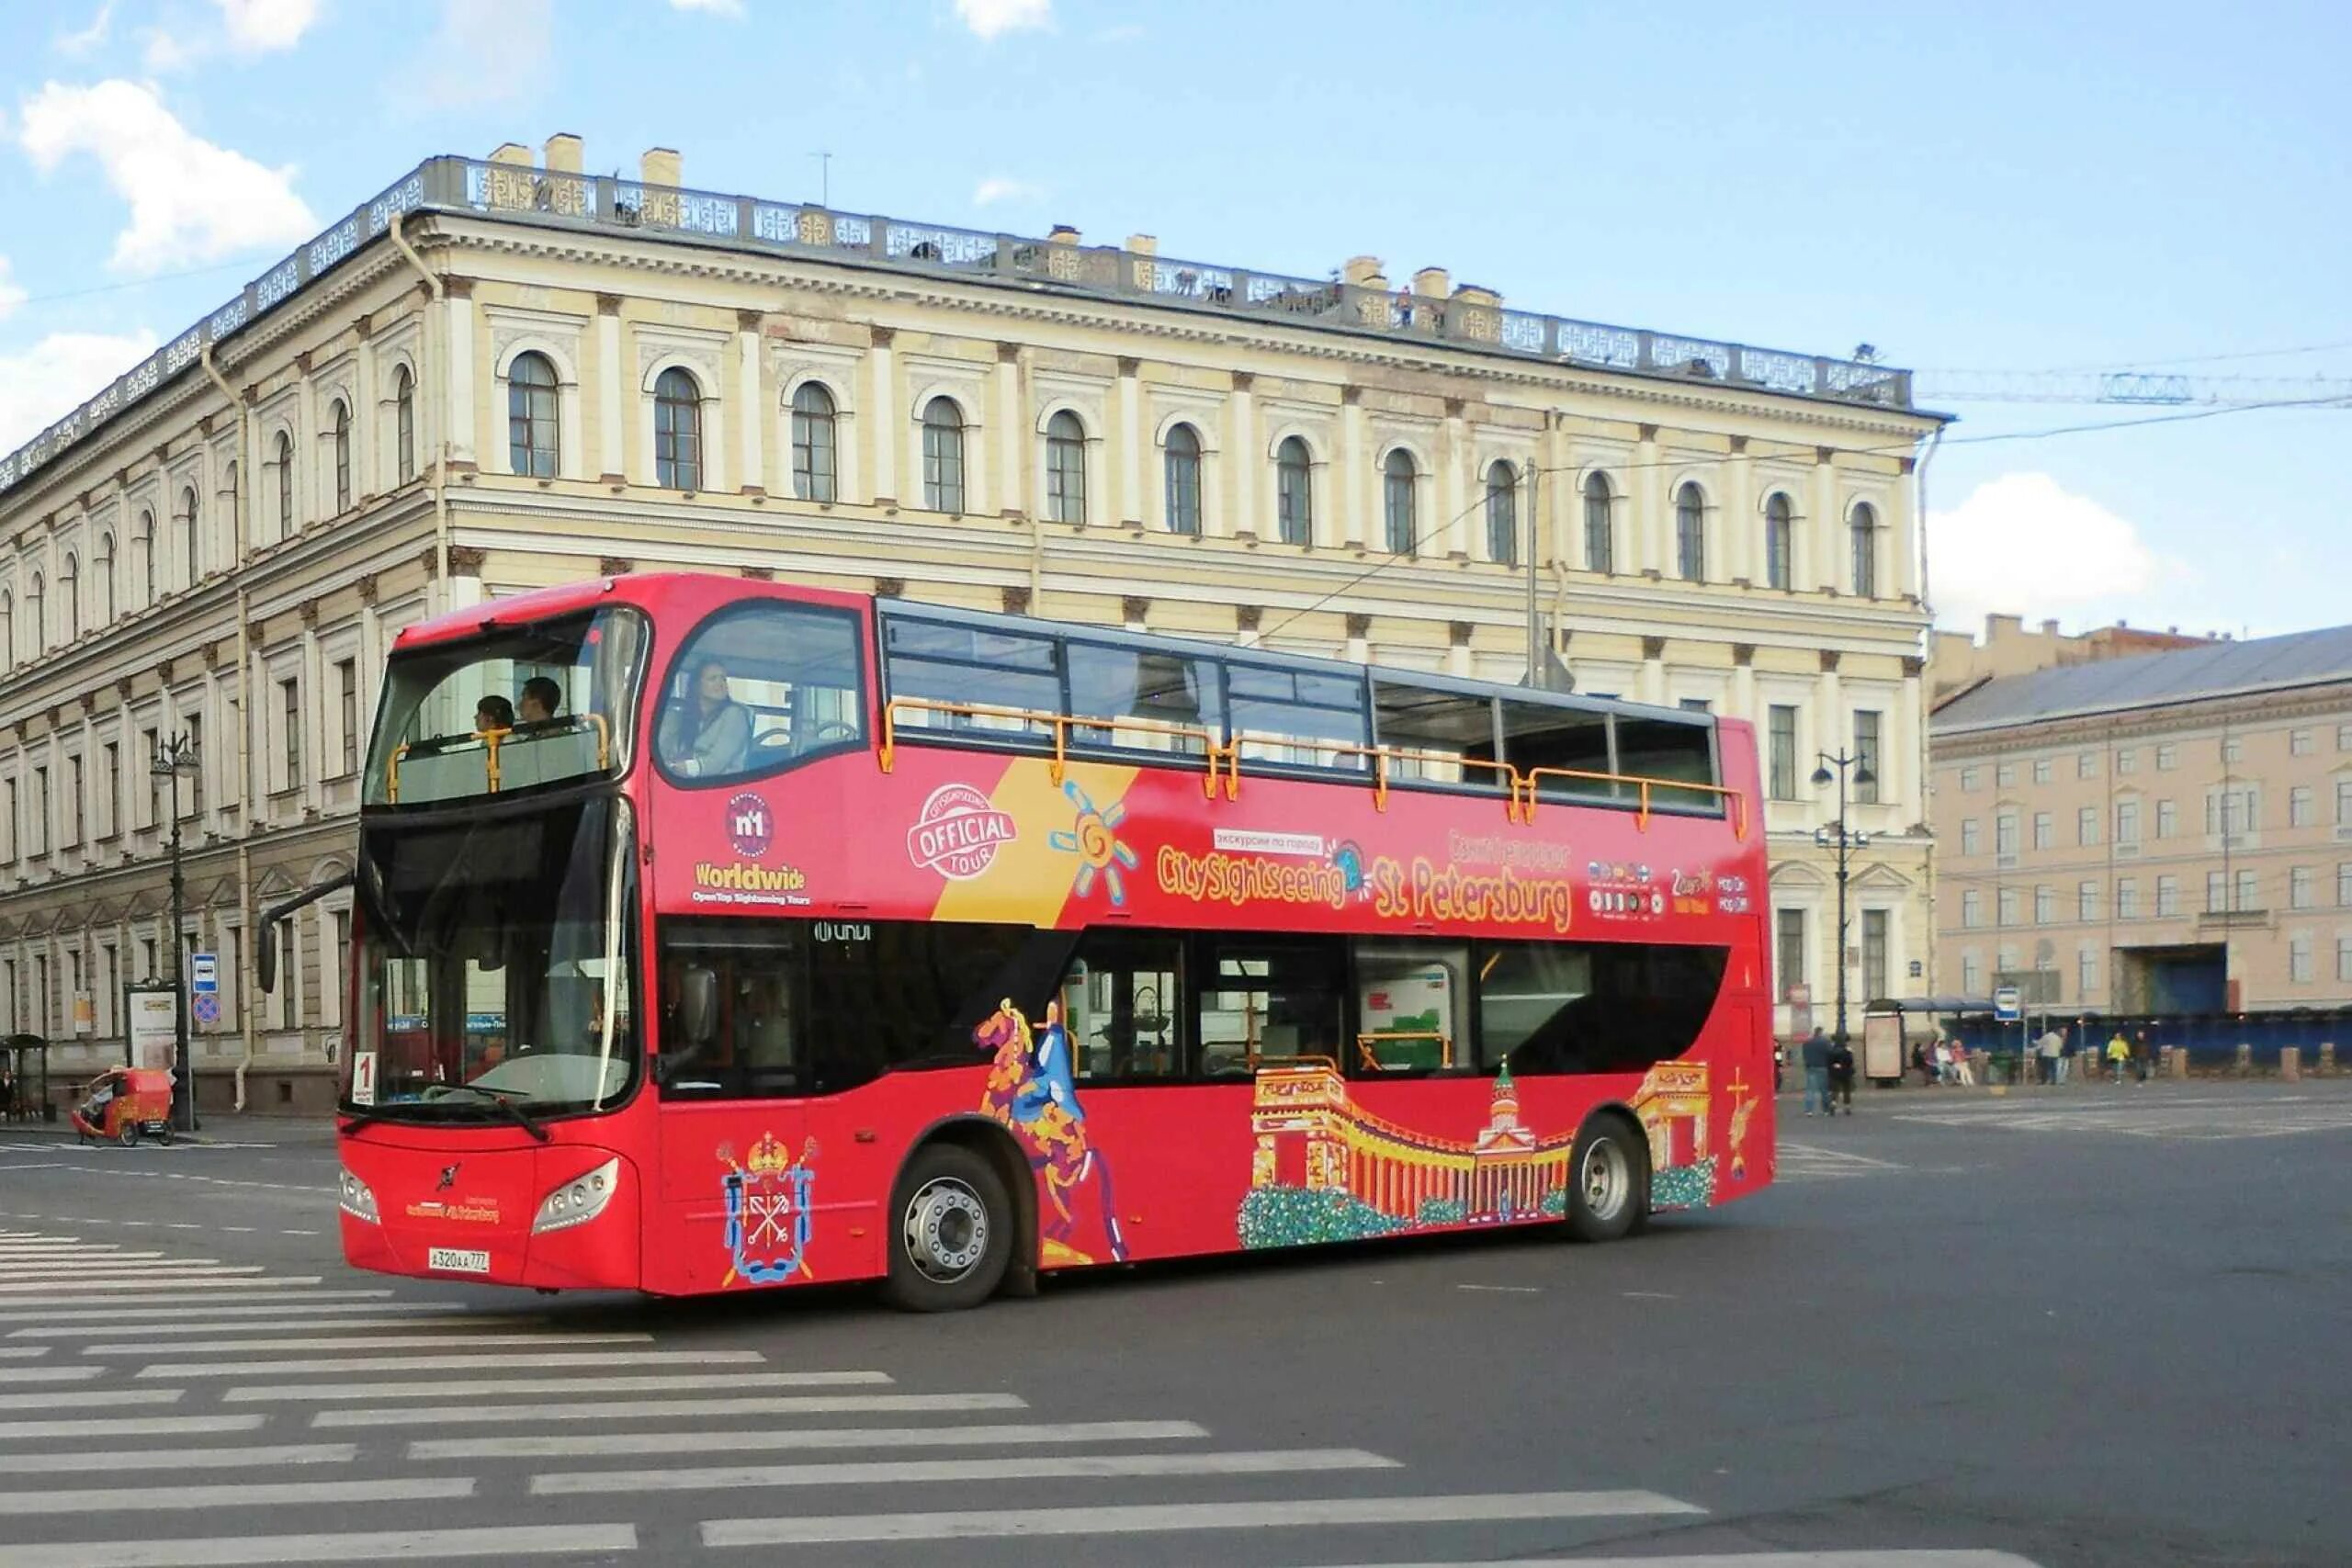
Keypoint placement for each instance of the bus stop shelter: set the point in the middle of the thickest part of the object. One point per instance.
(23, 1103)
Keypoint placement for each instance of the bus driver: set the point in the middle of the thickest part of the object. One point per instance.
(707, 733)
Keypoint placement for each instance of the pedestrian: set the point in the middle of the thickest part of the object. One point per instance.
(1841, 1078)
(1962, 1070)
(1815, 1056)
(1925, 1063)
(2143, 1055)
(2119, 1051)
(2051, 1041)
(1942, 1061)
(2066, 1058)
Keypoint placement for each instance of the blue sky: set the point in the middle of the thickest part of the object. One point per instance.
(1985, 186)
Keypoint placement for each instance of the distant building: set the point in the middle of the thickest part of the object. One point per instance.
(1957, 662)
(2169, 832)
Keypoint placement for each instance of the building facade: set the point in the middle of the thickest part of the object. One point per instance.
(2170, 832)
(502, 373)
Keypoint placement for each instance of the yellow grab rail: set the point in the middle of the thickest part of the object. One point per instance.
(492, 739)
(1736, 806)
(1059, 723)
(1370, 1038)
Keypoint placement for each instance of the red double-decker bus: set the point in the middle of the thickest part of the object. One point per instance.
(718, 935)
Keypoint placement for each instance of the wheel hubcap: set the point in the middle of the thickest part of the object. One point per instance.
(1605, 1178)
(946, 1230)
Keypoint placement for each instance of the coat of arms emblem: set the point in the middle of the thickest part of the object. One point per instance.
(767, 1211)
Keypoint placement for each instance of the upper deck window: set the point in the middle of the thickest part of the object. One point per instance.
(958, 669)
(1662, 749)
(1548, 735)
(1432, 726)
(1152, 698)
(1279, 715)
(521, 707)
(759, 687)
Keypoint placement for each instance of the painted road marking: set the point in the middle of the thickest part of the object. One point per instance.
(1011, 1467)
(446, 1332)
(622, 1410)
(1874, 1558)
(261, 1456)
(91, 1398)
(567, 1360)
(235, 1495)
(1138, 1518)
(371, 1546)
(17, 1291)
(129, 1427)
(22, 1352)
(419, 1318)
(18, 1375)
(218, 1307)
(1004, 1435)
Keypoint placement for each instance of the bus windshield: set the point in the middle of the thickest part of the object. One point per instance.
(541, 704)
(495, 956)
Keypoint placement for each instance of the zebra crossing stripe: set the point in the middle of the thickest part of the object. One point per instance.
(126, 1426)
(1918, 1558)
(18, 1375)
(91, 1398)
(497, 1542)
(992, 1467)
(625, 1409)
(445, 1334)
(261, 1456)
(22, 1352)
(23, 1293)
(224, 1321)
(1002, 1435)
(558, 1360)
(1157, 1518)
(216, 1309)
(235, 1495)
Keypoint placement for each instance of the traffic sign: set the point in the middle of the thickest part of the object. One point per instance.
(207, 1006)
(2005, 1005)
(203, 972)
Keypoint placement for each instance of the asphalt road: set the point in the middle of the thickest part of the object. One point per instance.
(2075, 1327)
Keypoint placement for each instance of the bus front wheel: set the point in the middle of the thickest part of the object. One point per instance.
(1608, 1180)
(952, 1234)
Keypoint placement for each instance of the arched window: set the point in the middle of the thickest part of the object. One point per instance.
(1398, 473)
(102, 581)
(1503, 513)
(8, 630)
(1780, 528)
(815, 475)
(532, 444)
(1600, 535)
(1293, 493)
(1183, 462)
(285, 486)
(191, 527)
(404, 424)
(1065, 468)
(69, 586)
(35, 601)
(144, 543)
(1690, 534)
(677, 432)
(943, 455)
(341, 420)
(235, 519)
(1865, 532)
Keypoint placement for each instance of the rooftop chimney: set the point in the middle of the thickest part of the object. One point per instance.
(1062, 234)
(1431, 283)
(1363, 271)
(661, 166)
(561, 155)
(514, 154)
(1477, 294)
(2049, 628)
(1144, 244)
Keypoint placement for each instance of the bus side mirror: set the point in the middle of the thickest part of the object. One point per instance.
(697, 1004)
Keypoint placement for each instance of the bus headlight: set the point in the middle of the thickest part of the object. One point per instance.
(354, 1197)
(578, 1200)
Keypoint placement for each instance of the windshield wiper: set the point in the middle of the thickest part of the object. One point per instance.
(364, 1118)
(508, 1108)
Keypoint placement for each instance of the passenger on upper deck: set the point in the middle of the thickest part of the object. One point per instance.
(707, 733)
(493, 712)
(540, 701)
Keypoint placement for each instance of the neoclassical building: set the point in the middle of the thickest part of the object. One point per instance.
(506, 373)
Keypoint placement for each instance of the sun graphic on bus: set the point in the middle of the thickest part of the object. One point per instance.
(1098, 848)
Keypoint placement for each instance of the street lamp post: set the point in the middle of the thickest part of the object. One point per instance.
(175, 755)
(1845, 841)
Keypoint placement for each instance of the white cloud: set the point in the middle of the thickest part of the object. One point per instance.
(91, 37)
(265, 27)
(987, 18)
(484, 54)
(2023, 543)
(189, 199)
(57, 375)
(716, 7)
(12, 294)
(997, 187)
(165, 54)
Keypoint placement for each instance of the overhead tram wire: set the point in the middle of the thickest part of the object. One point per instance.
(1901, 449)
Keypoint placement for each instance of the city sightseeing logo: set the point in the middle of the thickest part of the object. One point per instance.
(751, 826)
(959, 833)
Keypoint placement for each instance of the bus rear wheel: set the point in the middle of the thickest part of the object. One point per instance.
(1608, 1182)
(952, 1232)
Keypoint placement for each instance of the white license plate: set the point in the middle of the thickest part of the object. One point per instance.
(458, 1260)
